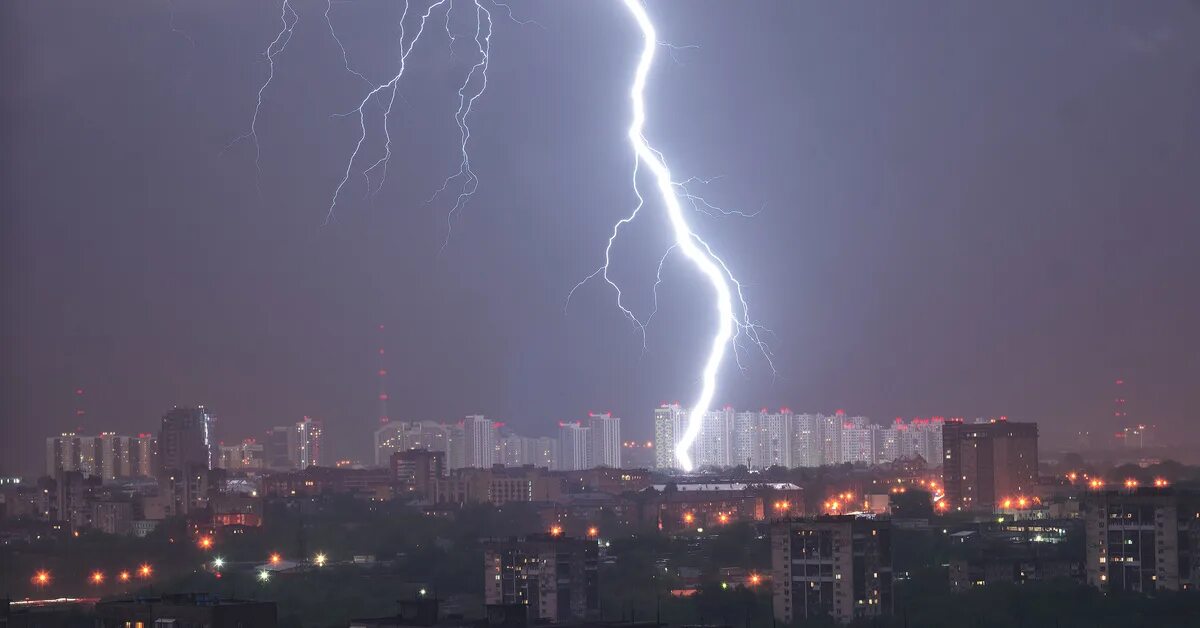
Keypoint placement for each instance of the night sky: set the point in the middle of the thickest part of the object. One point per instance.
(966, 210)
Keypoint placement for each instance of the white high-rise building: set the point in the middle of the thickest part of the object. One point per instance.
(668, 426)
(605, 438)
(807, 444)
(858, 440)
(479, 442)
(402, 436)
(773, 440)
(831, 438)
(714, 445)
(574, 446)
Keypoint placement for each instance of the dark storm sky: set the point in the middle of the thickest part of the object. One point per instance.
(968, 209)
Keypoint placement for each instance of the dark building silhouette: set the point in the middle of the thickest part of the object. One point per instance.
(185, 440)
(836, 566)
(556, 577)
(187, 609)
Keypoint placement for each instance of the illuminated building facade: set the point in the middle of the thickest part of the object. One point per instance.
(837, 566)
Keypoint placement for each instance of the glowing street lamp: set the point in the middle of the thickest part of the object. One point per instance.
(97, 577)
(218, 562)
(319, 560)
(264, 575)
(41, 578)
(123, 576)
(556, 530)
(275, 558)
(723, 518)
(755, 579)
(145, 571)
(688, 518)
(205, 542)
(593, 532)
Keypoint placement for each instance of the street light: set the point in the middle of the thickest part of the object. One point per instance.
(123, 576)
(218, 562)
(319, 560)
(274, 558)
(264, 575)
(145, 571)
(41, 578)
(97, 577)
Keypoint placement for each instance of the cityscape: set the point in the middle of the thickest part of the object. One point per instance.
(612, 314)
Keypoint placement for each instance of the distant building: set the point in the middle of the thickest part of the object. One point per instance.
(685, 505)
(605, 436)
(831, 566)
(189, 609)
(1143, 541)
(113, 517)
(277, 448)
(574, 446)
(479, 444)
(518, 451)
(498, 486)
(986, 463)
(418, 470)
(318, 481)
(185, 439)
(556, 577)
(669, 421)
(249, 454)
(109, 455)
(306, 450)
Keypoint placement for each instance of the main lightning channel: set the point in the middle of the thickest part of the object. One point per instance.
(709, 265)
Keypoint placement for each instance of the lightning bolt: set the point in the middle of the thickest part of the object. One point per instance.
(731, 322)
(730, 305)
(288, 19)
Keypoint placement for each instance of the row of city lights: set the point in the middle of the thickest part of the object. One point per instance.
(43, 577)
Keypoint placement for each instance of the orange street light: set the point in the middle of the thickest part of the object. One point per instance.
(41, 578)
(145, 571)
(755, 579)
(97, 577)
(275, 558)
(593, 532)
(556, 530)
(205, 542)
(123, 576)
(688, 518)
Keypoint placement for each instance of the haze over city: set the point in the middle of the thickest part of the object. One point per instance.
(971, 211)
(603, 314)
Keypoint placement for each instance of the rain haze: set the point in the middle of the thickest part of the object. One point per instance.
(959, 209)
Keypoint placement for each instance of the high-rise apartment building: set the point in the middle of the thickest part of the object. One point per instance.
(185, 439)
(605, 436)
(248, 454)
(859, 439)
(574, 446)
(556, 577)
(517, 451)
(479, 442)
(402, 436)
(807, 444)
(714, 444)
(306, 445)
(838, 566)
(278, 444)
(669, 421)
(985, 463)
